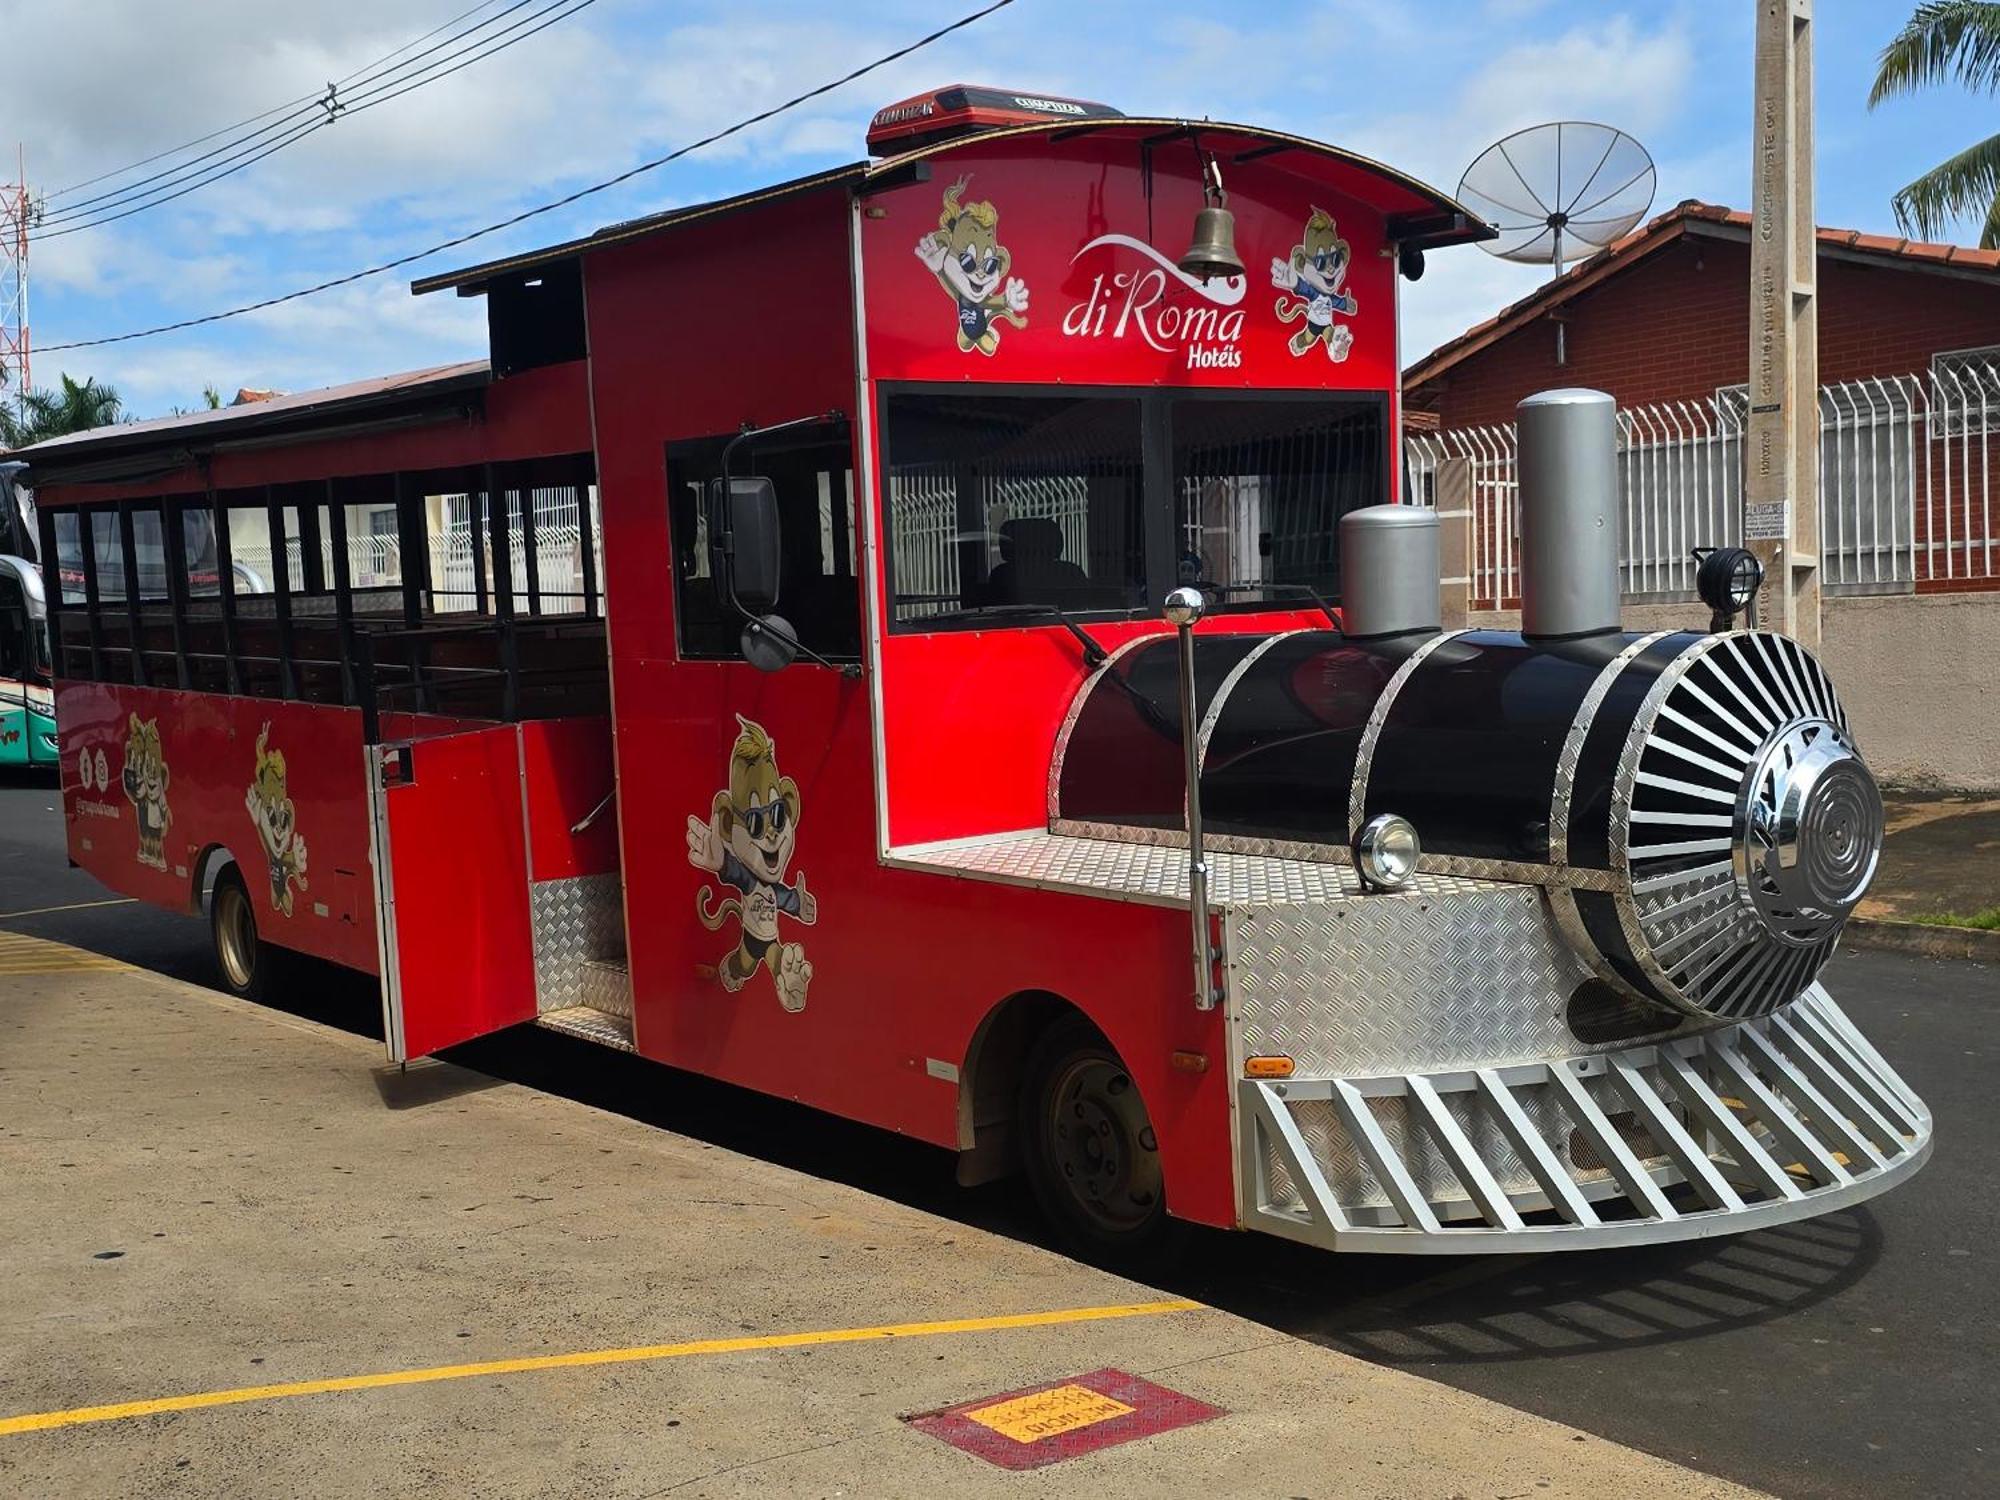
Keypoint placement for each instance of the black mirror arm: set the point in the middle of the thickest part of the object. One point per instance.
(1094, 655)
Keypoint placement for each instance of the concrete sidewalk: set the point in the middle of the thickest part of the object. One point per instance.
(1941, 854)
(205, 1196)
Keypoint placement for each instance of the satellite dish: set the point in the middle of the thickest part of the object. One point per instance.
(1559, 190)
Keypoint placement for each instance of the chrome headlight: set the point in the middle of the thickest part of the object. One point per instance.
(1386, 852)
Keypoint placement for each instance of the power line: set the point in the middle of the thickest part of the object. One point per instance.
(325, 109)
(550, 207)
(289, 104)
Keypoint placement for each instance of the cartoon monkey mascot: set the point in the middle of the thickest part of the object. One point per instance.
(748, 841)
(1312, 281)
(961, 252)
(145, 781)
(276, 822)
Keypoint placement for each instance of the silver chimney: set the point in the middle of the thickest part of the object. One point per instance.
(1389, 570)
(1568, 471)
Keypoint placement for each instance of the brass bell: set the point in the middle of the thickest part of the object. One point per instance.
(1213, 252)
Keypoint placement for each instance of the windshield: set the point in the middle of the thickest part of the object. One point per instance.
(1008, 500)
(1095, 504)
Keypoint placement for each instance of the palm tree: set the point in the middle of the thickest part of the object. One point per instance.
(1948, 40)
(76, 407)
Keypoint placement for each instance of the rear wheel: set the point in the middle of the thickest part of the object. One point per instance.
(1089, 1148)
(241, 957)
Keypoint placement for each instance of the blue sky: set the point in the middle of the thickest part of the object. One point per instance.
(1423, 86)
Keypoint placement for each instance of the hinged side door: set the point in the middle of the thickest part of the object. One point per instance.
(451, 889)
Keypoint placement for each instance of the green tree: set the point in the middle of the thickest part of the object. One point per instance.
(1948, 40)
(76, 406)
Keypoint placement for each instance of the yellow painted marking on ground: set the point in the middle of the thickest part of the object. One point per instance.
(43, 911)
(20, 954)
(41, 1421)
(1044, 1414)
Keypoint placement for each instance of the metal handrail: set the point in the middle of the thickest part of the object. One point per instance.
(1183, 607)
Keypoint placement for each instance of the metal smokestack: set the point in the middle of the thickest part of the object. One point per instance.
(1389, 570)
(1569, 513)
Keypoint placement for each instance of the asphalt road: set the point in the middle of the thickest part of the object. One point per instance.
(1857, 1355)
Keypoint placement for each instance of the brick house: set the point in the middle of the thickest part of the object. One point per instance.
(1663, 314)
(1909, 365)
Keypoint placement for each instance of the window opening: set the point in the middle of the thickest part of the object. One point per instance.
(819, 595)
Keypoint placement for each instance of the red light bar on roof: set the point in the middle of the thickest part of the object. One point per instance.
(963, 109)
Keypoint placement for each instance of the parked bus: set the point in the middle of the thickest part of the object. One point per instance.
(27, 693)
(910, 640)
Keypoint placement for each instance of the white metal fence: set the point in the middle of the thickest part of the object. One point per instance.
(1906, 495)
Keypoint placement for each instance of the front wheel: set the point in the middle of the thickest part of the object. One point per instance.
(1089, 1149)
(241, 957)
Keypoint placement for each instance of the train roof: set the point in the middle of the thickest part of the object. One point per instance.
(1429, 217)
(302, 413)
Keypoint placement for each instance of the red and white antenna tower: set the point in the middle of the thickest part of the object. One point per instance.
(18, 211)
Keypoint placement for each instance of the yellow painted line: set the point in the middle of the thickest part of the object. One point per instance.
(20, 954)
(42, 1421)
(43, 911)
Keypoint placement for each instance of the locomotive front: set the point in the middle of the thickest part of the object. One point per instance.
(1589, 1011)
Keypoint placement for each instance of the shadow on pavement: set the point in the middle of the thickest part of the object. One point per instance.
(1427, 1311)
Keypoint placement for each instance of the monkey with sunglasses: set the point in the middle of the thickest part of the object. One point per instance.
(748, 840)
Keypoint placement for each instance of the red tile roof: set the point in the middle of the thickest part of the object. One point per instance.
(1685, 217)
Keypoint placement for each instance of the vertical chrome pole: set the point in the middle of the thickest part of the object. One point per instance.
(1184, 606)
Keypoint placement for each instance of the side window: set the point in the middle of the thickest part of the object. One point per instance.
(818, 591)
(15, 658)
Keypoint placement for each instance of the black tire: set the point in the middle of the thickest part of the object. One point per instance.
(1089, 1150)
(243, 960)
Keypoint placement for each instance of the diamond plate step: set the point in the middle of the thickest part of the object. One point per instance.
(590, 1024)
(605, 984)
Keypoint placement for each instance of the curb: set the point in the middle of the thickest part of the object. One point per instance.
(1925, 939)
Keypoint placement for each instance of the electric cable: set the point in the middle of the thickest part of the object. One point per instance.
(325, 110)
(319, 110)
(550, 207)
(289, 104)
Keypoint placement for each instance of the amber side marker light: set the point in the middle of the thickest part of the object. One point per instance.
(1267, 1067)
(1189, 1062)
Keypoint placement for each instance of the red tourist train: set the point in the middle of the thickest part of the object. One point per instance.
(904, 640)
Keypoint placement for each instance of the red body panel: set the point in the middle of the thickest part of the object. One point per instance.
(465, 962)
(224, 758)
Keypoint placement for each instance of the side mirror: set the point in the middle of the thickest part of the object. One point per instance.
(769, 643)
(744, 528)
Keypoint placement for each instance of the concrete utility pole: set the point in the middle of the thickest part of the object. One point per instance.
(1781, 449)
